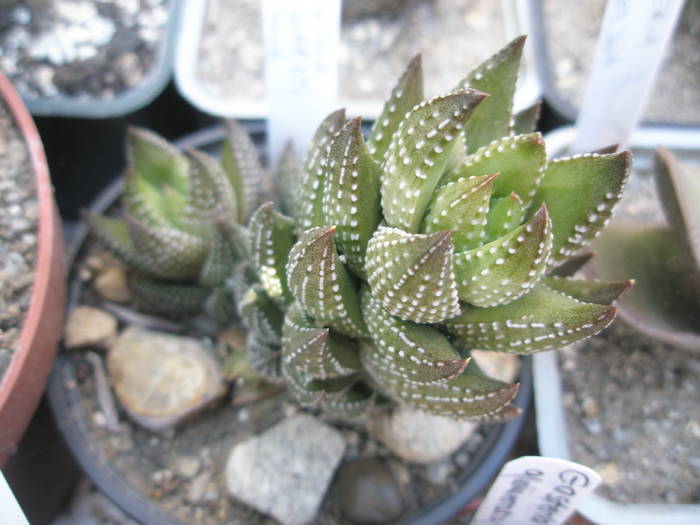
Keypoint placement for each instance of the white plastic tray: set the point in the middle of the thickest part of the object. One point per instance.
(517, 13)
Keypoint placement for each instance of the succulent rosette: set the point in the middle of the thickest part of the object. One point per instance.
(180, 230)
(448, 230)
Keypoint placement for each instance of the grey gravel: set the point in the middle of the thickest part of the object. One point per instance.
(79, 48)
(647, 429)
(19, 215)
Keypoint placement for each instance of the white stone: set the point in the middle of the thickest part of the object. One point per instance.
(417, 436)
(503, 367)
(111, 285)
(88, 326)
(161, 379)
(285, 471)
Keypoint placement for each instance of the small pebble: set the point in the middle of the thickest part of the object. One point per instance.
(368, 492)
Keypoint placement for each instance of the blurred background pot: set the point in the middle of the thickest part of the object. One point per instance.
(27, 371)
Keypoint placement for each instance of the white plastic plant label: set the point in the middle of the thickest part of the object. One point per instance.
(534, 490)
(631, 45)
(302, 42)
(10, 511)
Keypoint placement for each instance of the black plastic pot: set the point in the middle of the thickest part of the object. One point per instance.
(72, 420)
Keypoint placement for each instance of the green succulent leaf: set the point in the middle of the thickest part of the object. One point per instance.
(240, 162)
(497, 77)
(404, 97)
(541, 320)
(272, 237)
(505, 269)
(411, 274)
(462, 207)
(262, 316)
(167, 253)
(113, 234)
(417, 352)
(678, 185)
(572, 265)
(243, 277)
(504, 215)
(157, 179)
(263, 357)
(211, 198)
(665, 300)
(218, 262)
(287, 176)
(322, 285)
(519, 160)
(310, 195)
(347, 400)
(308, 392)
(469, 395)
(174, 300)
(580, 193)
(351, 193)
(525, 121)
(588, 291)
(417, 155)
(316, 352)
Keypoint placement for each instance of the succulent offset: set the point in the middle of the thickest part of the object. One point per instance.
(181, 234)
(662, 256)
(447, 230)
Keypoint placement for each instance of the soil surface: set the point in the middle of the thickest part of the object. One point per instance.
(632, 412)
(19, 214)
(571, 29)
(80, 48)
(376, 45)
(149, 461)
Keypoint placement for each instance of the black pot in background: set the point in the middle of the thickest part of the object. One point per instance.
(67, 409)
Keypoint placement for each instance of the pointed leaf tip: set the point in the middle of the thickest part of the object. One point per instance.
(418, 153)
(407, 93)
(507, 268)
(323, 287)
(412, 275)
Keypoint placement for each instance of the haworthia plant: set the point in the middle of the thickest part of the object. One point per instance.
(662, 256)
(180, 232)
(447, 231)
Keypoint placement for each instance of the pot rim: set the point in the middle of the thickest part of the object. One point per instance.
(25, 378)
(483, 466)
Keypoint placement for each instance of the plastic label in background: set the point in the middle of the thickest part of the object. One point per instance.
(302, 43)
(10, 511)
(534, 490)
(631, 45)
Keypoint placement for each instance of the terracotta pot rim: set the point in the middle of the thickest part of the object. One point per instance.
(26, 376)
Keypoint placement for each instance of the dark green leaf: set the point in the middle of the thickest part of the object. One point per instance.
(405, 95)
(351, 193)
(580, 193)
(541, 320)
(411, 274)
(505, 269)
(496, 77)
(461, 206)
(322, 285)
(310, 193)
(417, 155)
